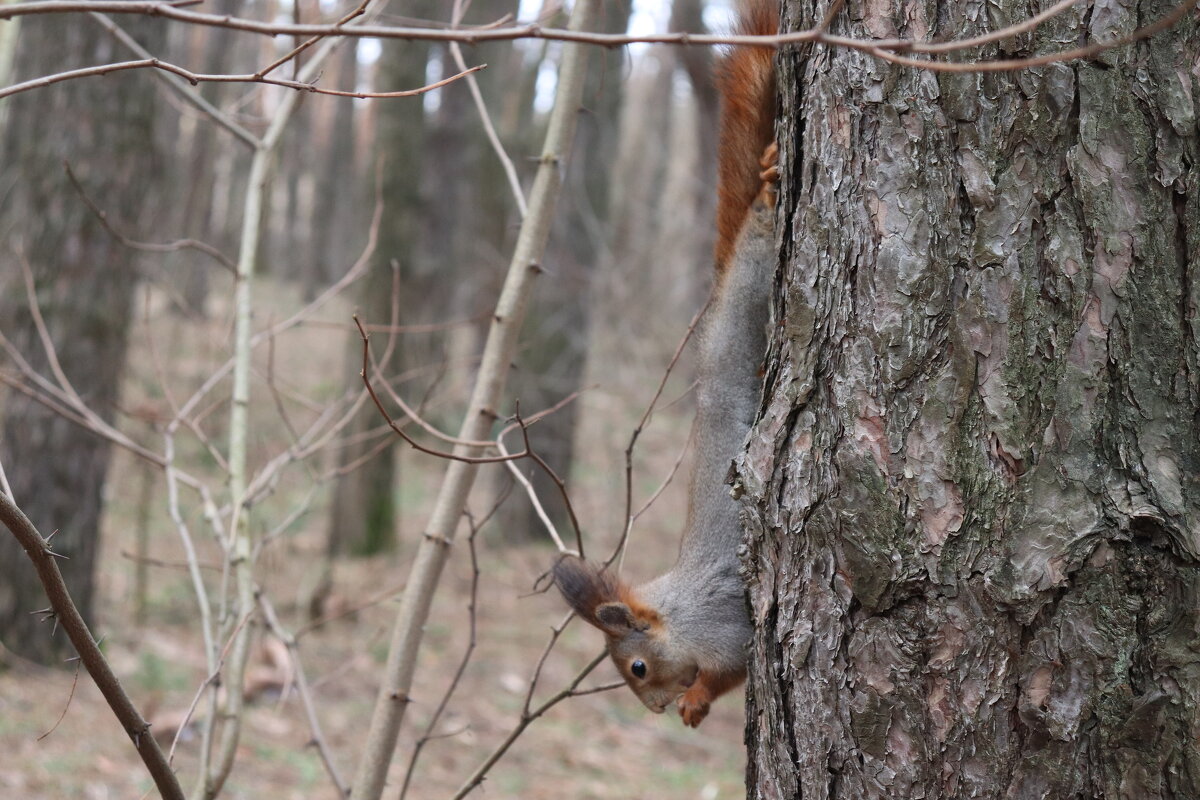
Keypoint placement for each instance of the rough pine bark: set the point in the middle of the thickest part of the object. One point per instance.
(972, 497)
(84, 282)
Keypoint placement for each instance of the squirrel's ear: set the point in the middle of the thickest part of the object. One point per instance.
(583, 586)
(618, 618)
(600, 598)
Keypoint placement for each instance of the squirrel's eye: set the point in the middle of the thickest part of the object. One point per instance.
(638, 668)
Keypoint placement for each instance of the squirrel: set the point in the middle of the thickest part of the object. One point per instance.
(682, 637)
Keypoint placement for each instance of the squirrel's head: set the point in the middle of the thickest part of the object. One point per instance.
(637, 636)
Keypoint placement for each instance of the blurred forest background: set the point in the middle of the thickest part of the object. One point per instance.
(103, 180)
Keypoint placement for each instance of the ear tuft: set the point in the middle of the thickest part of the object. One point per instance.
(583, 586)
(602, 599)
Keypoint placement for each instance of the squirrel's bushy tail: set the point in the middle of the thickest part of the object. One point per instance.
(745, 78)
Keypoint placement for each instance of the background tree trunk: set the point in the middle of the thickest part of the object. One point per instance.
(973, 496)
(339, 197)
(363, 520)
(554, 344)
(84, 280)
(192, 272)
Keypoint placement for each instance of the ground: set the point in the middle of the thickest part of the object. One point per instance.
(600, 746)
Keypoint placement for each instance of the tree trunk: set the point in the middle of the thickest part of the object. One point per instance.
(364, 509)
(336, 228)
(555, 340)
(972, 497)
(195, 169)
(84, 280)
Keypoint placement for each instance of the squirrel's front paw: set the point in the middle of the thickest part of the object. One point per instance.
(769, 175)
(693, 708)
(770, 164)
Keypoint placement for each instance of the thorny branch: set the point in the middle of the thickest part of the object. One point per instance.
(66, 614)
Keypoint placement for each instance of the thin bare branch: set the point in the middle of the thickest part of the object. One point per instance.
(352, 274)
(4, 485)
(452, 456)
(528, 717)
(510, 170)
(178, 85)
(885, 49)
(66, 705)
(295, 52)
(149, 247)
(637, 431)
(302, 688)
(559, 482)
(197, 77)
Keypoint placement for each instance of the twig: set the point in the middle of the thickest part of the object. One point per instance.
(65, 613)
(559, 482)
(432, 327)
(352, 274)
(381, 597)
(452, 456)
(534, 500)
(197, 77)
(213, 676)
(35, 311)
(528, 716)
(880, 49)
(149, 247)
(67, 705)
(310, 710)
(295, 52)
(637, 431)
(666, 481)
(178, 86)
(510, 171)
(161, 562)
(4, 485)
(62, 398)
(832, 12)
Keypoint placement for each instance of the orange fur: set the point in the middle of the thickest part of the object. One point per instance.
(745, 79)
(695, 702)
(643, 612)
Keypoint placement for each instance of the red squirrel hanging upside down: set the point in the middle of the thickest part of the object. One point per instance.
(682, 637)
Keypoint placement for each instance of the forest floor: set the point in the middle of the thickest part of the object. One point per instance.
(604, 745)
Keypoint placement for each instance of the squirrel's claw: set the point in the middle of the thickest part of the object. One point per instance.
(692, 710)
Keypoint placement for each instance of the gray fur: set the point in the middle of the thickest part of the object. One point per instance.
(702, 599)
(694, 617)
